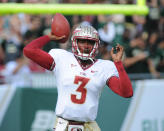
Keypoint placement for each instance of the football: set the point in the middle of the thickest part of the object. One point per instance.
(60, 27)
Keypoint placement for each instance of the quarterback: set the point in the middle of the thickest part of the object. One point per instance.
(80, 77)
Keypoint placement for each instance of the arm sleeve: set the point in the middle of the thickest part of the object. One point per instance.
(34, 52)
(121, 85)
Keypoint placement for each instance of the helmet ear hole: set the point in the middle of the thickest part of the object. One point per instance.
(85, 32)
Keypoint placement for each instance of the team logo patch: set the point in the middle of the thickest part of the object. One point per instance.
(73, 65)
(92, 71)
(83, 73)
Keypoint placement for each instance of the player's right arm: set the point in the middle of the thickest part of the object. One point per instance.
(34, 52)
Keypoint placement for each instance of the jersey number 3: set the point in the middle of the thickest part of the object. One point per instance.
(81, 88)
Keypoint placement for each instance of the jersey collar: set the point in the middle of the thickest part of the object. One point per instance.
(85, 66)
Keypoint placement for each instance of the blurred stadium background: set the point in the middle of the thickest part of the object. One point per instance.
(28, 92)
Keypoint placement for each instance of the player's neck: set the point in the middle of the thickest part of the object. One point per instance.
(86, 63)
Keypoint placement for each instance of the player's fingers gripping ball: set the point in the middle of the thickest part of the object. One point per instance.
(60, 27)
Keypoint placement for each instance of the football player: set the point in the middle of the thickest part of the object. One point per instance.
(80, 77)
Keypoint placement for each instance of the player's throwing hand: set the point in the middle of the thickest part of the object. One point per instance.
(119, 53)
(54, 37)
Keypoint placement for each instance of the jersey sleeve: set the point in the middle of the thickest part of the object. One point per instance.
(57, 55)
(110, 70)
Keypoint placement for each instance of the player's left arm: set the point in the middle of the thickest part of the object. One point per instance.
(122, 85)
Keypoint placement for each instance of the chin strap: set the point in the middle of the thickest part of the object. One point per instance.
(91, 60)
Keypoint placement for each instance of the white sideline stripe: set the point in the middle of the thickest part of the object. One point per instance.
(148, 98)
(133, 107)
(6, 94)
